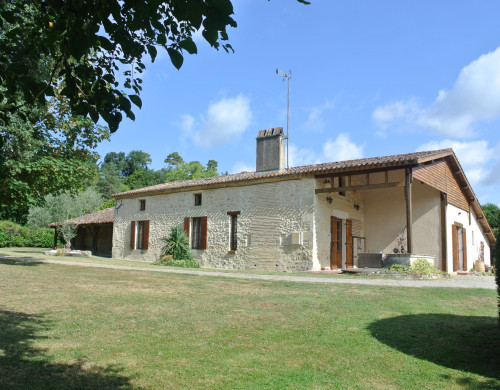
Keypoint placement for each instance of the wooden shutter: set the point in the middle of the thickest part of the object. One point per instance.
(145, 235)
(132, 235)
(203, 238)
(464, 248)
(333, 242)
(187, 220)
(348, 244)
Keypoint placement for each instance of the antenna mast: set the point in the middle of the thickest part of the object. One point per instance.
(286, 76)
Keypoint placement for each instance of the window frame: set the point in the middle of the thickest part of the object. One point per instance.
(196, 233)
(198, 199)
(233, 230)
(142, 204)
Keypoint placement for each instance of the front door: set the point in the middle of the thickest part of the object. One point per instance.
(459, 241)
(336, 243)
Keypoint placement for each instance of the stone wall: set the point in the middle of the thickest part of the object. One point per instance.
(269, 214)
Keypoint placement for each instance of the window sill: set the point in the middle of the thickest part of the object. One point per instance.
(231, 252)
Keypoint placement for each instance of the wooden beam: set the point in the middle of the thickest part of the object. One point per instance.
(362, 171)
(360, 187)
(409, 216)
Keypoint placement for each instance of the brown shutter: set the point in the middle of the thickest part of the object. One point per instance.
(145, 236)
(464, 248)
(186, 226)
(348, 244)
(132, 235)
(203, 238)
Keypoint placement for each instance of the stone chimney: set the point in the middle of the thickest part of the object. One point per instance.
(270, 150)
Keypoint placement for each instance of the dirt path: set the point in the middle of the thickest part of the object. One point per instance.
(487, 282)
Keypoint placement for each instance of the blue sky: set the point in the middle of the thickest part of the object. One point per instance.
(368, 79)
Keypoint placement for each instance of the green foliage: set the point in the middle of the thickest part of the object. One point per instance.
(14, 235)
(497, 271)
(177, 245)
(170, 262)
(492, 213)
(46, 152)
(108, 204)
(177, 169)
(89, 41)
(64, 206)
(418, 267)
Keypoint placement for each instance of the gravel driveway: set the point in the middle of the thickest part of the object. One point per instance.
(468, 281)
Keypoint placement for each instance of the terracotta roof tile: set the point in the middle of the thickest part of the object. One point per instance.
(102, 216)
(331, 167)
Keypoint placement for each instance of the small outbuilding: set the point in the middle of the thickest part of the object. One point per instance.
(94, 232)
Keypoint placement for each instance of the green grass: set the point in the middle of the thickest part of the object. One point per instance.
(67, 327)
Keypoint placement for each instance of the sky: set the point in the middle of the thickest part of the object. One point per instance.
(369, 78)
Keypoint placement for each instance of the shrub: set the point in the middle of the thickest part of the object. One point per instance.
(14, 235)
(171, 262)
(497, 271)
(177, 245)
(419, 267)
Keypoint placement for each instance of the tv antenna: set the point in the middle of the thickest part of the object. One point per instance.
(286, 76)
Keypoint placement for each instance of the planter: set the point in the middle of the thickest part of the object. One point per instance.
(405, 259)
(479, 266)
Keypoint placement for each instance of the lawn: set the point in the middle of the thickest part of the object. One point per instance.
(64, 327)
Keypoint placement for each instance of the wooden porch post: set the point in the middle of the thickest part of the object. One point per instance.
(409, 217)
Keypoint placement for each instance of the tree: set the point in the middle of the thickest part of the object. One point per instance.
(177, 169)
(497, 271)
(136, 160)
(45, 152)
(89, 40)
(492, 213)
(64, 206)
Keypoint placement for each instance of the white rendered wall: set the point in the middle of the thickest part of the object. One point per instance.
(454, 215)
(385, 220)
(270, 212)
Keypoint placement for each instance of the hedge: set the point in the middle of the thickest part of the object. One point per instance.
(14, 235)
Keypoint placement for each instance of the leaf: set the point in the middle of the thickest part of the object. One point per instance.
(189, 45)
(176, 57)
(136, 100)
(152, 52)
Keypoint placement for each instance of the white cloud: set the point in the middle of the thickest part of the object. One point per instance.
(474, 97)
(337, 150)
(242, 167)
(473, 156)
(315, 122)
(341, 149)
(223, 122)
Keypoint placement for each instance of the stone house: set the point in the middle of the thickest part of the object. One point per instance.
(331, 215)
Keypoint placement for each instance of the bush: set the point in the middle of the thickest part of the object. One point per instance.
(497, 271)
(177, 245)
(171, 262)
(14, 235)
(419, 267)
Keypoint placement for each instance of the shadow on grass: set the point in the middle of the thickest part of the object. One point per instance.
(466, 343)
(24, 366)
(24, 261)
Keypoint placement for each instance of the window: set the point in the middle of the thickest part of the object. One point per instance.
(341, 184)
(139, 235)
(197, 199)
(198, 232)
(233, 232)
(142, 204)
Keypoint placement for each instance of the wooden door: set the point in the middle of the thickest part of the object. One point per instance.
(459, 241)
(348, 244)
(336, 243)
